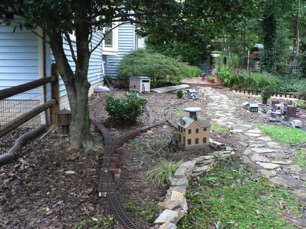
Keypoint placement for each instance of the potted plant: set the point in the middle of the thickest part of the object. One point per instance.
(210, 78)
(265, 95)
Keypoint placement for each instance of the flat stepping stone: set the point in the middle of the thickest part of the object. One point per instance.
(268, 165)
(257, 157)
(263, 150)
(267, 173)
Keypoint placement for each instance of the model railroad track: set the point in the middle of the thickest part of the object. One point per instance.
(106, 183)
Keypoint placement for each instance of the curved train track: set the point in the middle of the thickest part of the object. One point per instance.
(105, 185)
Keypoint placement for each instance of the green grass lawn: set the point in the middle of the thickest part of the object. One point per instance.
(233, 196)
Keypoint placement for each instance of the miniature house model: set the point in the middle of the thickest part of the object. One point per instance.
(193, 134)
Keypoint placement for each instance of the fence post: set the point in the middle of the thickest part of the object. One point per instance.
(55, 93)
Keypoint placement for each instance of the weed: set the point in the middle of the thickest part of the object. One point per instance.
(163, 171)
(148, 214)
(299, 157)
(285, 135)
(216, 128)
(179, 113)
(236, 197)
(301, 104)
(96, 222)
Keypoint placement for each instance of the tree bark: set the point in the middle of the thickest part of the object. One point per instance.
(76, 83)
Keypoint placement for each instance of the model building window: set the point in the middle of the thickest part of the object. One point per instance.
(184, 139)
(189, 131)
(205, 129)
(197, 130)
(189, 141)
(204, 140)
(180, 138)
(196, 141)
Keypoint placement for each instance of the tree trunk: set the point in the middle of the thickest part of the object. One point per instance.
(80, 122)
(76, 83)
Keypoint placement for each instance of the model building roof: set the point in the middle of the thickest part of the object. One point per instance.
(185, 122)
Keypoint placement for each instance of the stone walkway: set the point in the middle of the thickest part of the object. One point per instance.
(270, 158)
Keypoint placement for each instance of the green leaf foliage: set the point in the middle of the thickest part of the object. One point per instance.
(161, 69)
(163, 171)
(125, 110)
(233, 196)
(285, 135)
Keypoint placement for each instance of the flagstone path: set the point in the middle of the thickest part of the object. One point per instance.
(270, 158)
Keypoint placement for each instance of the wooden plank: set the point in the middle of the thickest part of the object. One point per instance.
(170, 88)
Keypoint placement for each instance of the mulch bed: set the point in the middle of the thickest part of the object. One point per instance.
(54, 186)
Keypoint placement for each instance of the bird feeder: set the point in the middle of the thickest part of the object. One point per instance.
(63, 120)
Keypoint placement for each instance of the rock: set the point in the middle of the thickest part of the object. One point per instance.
(267, 173)
(166, 216)
(170, 204)
(268, 165)
(263, 150)
(286, 181)
(168, 226)
(178, 181)
(257, 157)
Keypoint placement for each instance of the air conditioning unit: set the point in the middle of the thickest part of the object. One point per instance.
(140, 84)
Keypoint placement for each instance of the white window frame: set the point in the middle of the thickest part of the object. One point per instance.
(113, 49)
(72, 36)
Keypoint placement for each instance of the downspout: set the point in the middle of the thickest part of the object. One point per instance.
(20, 142)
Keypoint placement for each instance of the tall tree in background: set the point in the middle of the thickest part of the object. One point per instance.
(207, 24)
(59, 18)
(269, 25)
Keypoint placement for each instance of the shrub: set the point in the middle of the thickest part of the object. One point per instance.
(265, 93)
(179, 93)
(125, 110)
(257, 80)
(161, 69)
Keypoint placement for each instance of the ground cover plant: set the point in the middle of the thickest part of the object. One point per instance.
(162, 172)
(233, 196)
(299, 157)
(285, 135)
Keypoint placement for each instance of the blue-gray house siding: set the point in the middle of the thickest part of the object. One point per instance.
(126, 44)
(18, 57)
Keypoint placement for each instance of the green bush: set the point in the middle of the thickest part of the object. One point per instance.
(179, 93)
(125, 110)
(161, 69)
(257, 80)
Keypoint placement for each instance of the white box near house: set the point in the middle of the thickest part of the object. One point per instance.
(140, 83)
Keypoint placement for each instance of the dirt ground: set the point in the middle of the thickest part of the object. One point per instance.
(54, 186)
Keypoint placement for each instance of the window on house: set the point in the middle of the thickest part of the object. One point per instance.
(189, 131)
(110, 42)
(184, 140)
(204, 140)
(197, 130)
(196, 141)
(72, 36)
(180, 138)
(189, 142)
(204, 129)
